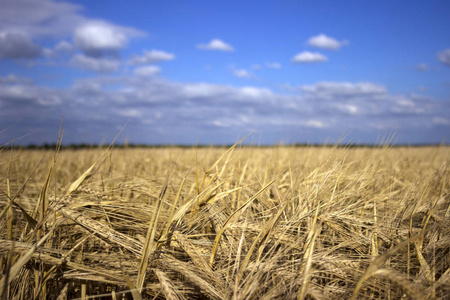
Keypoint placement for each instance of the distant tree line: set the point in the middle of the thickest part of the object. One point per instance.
(47, 146)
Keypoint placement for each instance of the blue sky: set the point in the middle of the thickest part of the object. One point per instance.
(182, 72)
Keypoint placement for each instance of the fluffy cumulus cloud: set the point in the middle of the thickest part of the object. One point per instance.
(325, 42)
(152, 56)
(241, 73)
(444, 57)
(216, 44)
(24, 22)
(146, 71)
(13, 79)
(96, 64)
(205, 91)
(164, 111)
(315, 124)
(62, 48)
(99, 38)
(249, 92)
(44, 18)
(335, 90)
(307, 57)
(17, 46)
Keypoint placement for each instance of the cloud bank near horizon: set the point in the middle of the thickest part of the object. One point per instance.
(162, 111)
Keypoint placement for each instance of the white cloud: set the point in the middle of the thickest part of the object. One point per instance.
(325, 42)
(96, 38)
(273, 65)
(352, 109)
(129, 112)
(64, 46)
(441, 121)
(18, 46)
(188, 111)
(241, 73)
(253, 92)
(309, 57)
(44, 18)
(348, 108)
(14, 79)
(203, 90)
(147, 71)
(444, 57)
(22, 94)
(152, 56)
(23, 22)
(315, 124)
(230, 122)
(216, 44)
(101, 65)
(256, 67)
(16, 92)
(333, 90)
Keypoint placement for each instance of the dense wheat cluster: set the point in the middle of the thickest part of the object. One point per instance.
(218, 223)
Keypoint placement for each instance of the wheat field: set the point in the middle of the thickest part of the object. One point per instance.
(225, 223)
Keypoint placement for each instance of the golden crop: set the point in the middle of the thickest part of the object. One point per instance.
(239, 223)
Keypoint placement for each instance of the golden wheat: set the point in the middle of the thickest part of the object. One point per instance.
(217, 223)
